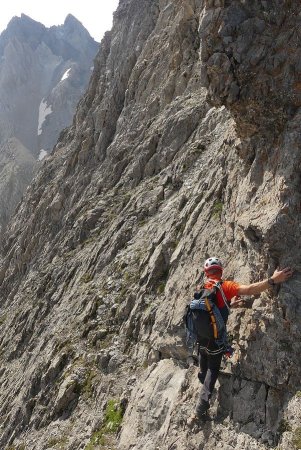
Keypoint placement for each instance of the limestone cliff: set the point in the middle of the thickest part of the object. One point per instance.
(186, 144)
(43, 74)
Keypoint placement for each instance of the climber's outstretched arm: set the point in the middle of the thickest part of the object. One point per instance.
(279, 276)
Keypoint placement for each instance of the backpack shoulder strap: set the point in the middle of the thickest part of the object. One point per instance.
(218, 284)
(212, 318)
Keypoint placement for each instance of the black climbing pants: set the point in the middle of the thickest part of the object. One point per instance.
(210, 365)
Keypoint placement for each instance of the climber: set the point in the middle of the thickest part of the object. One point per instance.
(230, 292)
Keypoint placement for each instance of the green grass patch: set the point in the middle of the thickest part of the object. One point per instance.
(217, 209)
(58, 442)
(113, 416)
(111, 424)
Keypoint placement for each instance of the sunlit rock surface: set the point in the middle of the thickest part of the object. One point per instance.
(172, 157)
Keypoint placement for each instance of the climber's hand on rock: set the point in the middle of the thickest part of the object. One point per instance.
(279, 276)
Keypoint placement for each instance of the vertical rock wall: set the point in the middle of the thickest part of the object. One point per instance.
(167, 162)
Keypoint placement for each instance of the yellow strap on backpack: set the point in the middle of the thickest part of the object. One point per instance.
(212, 318)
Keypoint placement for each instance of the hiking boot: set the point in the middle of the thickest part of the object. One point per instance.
(196, 419)
(192, 420)
(202, 409)
(201, 377)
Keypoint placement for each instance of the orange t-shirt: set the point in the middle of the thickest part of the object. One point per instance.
(230, 289)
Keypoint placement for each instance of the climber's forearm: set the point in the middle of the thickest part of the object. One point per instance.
(254, 288)
(279, 276)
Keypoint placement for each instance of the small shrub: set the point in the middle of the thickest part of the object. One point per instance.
(142, 222)
(145, 364)
(86, 278)
(217, 209)
(87, 387)
(161, 288)
(131, 277)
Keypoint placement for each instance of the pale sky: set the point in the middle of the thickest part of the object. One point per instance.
(96, 16)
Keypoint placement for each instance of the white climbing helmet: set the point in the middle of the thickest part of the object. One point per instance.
(213, 263)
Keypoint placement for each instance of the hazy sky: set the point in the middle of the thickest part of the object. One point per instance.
(96, 16)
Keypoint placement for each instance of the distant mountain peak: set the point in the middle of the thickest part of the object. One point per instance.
(72, 23)
(72, 20)
(22, 28)
(22, 21)
(26, 18)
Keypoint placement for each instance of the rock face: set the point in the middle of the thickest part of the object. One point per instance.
(172, 157)
(16, 171)
(43, 74)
